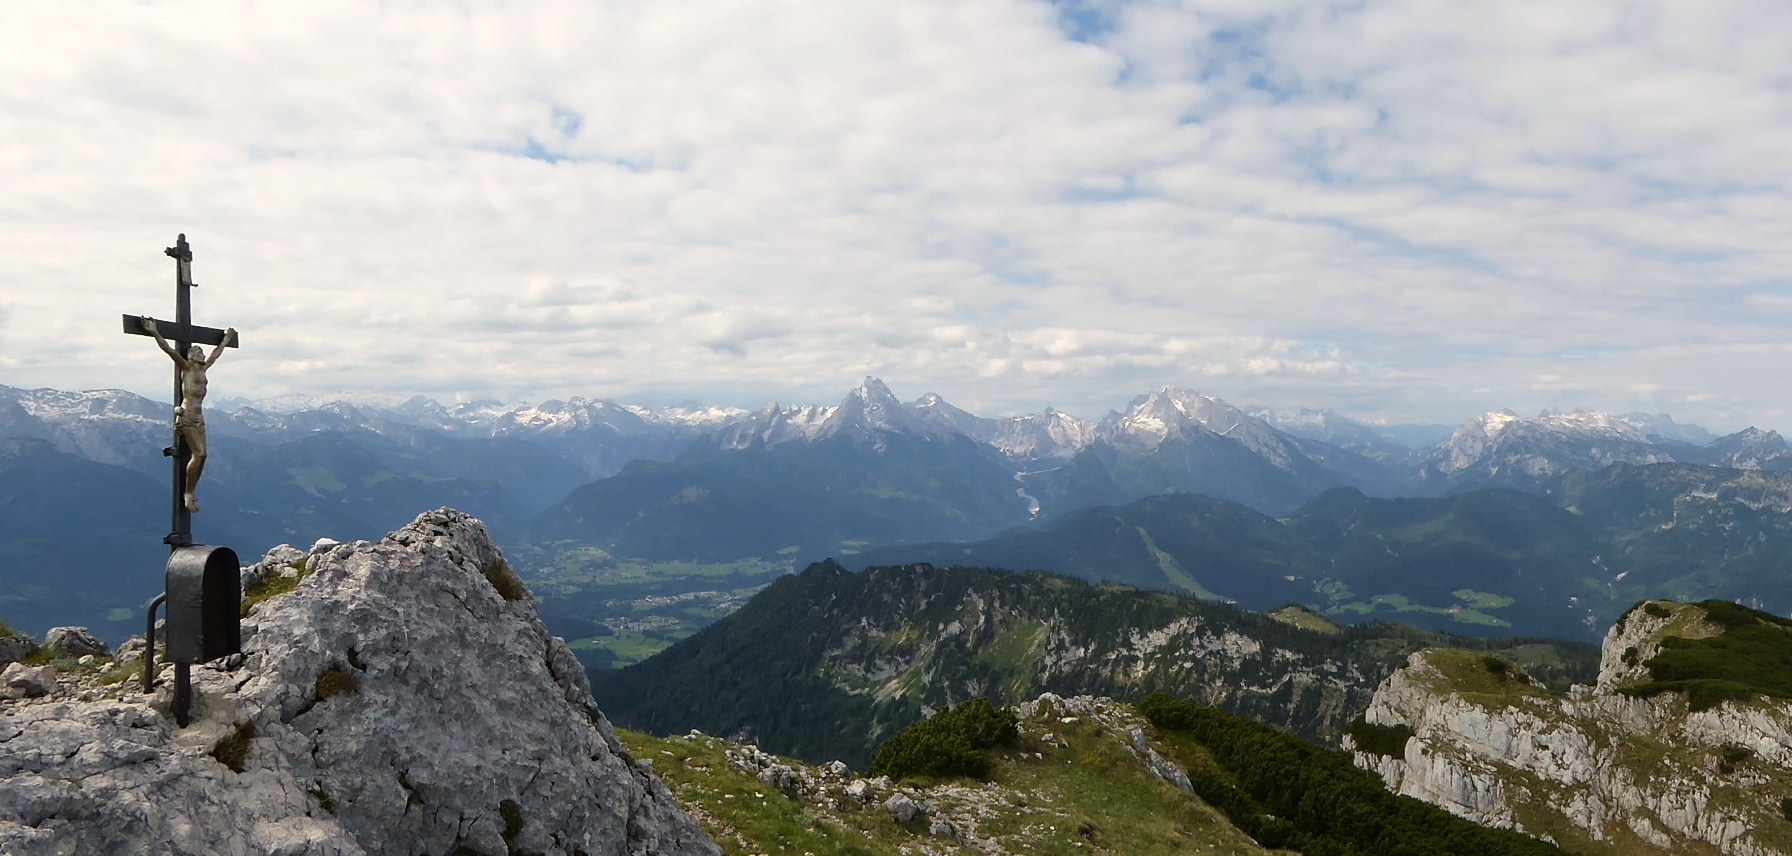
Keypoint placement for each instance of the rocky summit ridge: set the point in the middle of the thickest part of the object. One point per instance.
(1636, 763)
(399, 696)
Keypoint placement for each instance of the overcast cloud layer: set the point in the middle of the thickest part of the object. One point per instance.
(1405, 210)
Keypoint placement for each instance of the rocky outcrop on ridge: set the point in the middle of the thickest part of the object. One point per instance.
(404, 697)
(1597, 769)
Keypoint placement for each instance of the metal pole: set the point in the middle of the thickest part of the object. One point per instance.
(149, 651)
(183, 519)
(181, 529)
(183, 693)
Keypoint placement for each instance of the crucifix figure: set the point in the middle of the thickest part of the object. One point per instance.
(180, 340)
(189, 415)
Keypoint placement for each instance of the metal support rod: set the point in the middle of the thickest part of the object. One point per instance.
(183, 694)
(149, 650)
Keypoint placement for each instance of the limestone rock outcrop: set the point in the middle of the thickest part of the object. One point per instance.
(73, 642)
(1640, 773)
(404, 697)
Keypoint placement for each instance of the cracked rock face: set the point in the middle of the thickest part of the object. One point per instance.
(1637, 774)
(396, 702)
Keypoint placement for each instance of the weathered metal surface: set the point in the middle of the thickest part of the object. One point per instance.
(174, 331)
(204, 608)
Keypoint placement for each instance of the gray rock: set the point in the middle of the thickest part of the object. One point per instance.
(73, 642)
(14, 648)
(858, 789)
(130, 649)
(22, 681)
(1160, 767)
(780, 777)
(277, 560)
(393, 703)
(901, 808)
(942, 828)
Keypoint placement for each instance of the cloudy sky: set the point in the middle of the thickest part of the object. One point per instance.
(1404, 210)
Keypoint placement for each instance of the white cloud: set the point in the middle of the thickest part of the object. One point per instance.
(1397, 208)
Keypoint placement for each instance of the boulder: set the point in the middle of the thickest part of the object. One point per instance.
(22, 681)
(73, 642)
(14, 648)
(396, 702)
(901, 808)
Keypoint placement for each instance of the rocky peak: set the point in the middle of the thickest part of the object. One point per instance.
(1617, 765)
(404, 697)
(868, 410)
(1751, 449)
(775, 424)
(1151, 419)
(1663, 426)
(1550, 443)
(1042, 436)
(935, 415)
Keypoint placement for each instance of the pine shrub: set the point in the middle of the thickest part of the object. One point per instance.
(951, 743)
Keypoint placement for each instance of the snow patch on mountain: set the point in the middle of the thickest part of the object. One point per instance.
(1151, 419)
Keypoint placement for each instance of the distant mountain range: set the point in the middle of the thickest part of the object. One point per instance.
(797, 483)
(1563, 562)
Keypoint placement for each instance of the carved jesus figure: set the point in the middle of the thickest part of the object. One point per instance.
(189, 413)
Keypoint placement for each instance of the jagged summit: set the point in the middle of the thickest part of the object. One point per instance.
(403, 698)
(1151, 419)
(1751, 449)
(1502, 447)
(935, 415)
(870, 408)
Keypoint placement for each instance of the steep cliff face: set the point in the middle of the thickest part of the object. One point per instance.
(1635, 763)
(404, 697)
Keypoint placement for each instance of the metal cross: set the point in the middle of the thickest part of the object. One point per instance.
(184, 334)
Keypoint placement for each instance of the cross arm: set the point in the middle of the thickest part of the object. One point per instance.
(177, 332)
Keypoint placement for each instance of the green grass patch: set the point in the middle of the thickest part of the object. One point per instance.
(1483, 600)
(334, 682)
(1093, 796)
(1481, 678)
(1306, 619)
(626, 647)
(275, 583)
(233, 750)
(121, 671)
(1469, 613)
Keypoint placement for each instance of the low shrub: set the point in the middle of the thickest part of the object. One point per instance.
(512, 813)
(1388, 741)
(951, 743)
(505, 580)
(233, 750)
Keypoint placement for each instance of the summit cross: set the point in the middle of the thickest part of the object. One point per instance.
(190, 365)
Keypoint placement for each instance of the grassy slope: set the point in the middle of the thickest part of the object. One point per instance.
(1086, 792)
